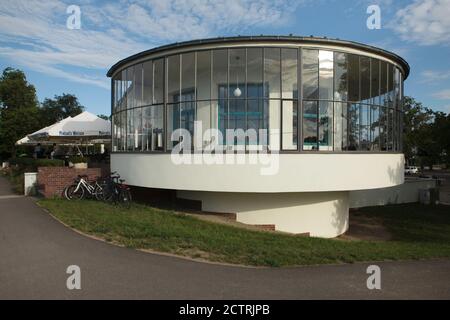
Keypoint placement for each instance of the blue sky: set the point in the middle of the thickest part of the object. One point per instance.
(34, 36)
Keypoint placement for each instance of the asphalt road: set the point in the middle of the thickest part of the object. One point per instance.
(35, 251)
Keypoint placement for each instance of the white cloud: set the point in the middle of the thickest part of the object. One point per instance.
(425, 22)
(33, 33)
(442, 95)
(433, 76)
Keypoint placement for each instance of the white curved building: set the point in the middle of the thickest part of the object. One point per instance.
(277, 130)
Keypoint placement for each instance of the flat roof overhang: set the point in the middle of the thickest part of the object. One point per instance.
(243, 39)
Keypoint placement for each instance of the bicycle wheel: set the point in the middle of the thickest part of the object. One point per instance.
(73, 194)
(108, 192)
(98, 192)
(125, 198)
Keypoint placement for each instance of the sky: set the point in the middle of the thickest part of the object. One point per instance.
(35, 38)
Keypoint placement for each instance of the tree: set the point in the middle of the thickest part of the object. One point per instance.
(60, 107)
(441, 134)
(18, 110)
(15, 91)
(103, 116)
(426, 134)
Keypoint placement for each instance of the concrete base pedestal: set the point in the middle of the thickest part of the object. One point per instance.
(321, 214)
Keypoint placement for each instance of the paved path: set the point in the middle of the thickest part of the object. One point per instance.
(35, 251)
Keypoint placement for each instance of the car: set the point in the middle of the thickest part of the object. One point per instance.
(411, 170)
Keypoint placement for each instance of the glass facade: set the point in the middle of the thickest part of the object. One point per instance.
(305, 99)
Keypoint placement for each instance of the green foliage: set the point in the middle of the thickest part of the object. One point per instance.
(58, 108)
(15, 91)
(104, 117)
(426, 134)
(19, 112)
(419, 232)
(34, 163)
(78, 159)
(20, 165)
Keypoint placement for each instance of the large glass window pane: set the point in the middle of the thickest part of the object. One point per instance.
(255, 73)
(236, 118)
(130, 87)
(375, 82)
(117, 83)
(326, 75)
(274, 124)
(289, 125)
(137, 121)
(188, 77)
(258, 121)
(138, 82)
(289, 71)
(203, 75)
(215, 121)
(222, 118)
(326, 125)
(401, 92)
(364, 121)
(310, 111)
(220, 71)
(122, 134)
(158, 81)
(390, 96)
(123, 105)
(383, 128)
(173, 79)
(130, 130)
(397, 85)
(353, 126)
(310, 73)
(188, 117)
(236, 77)
(383, 83)
(148, 83)
(114, 95)
(375, 128)
(390, 130)
(400, 130)
(152, 128)
(272, 73)
(365, 79)
(118, 91)
(203, 116)
(115, 128)
(340, 126)
(173, 123)
(340, 76)
(353, 77)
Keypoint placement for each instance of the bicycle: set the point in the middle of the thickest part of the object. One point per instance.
(78, 189)
(114, 190)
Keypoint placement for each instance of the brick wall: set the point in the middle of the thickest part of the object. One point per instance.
(52, 180)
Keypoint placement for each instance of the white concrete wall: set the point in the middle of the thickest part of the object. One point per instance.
(30, 182)
(321, 214)
(312, 172)
(404, 193)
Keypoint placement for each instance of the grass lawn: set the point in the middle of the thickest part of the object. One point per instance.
(418, 232)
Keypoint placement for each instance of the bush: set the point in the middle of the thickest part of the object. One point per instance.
(78, 159)
(32, 164)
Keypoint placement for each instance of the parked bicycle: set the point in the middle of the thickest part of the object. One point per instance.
(114, 190)
(82, 188)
